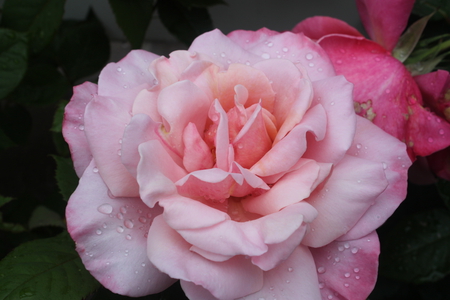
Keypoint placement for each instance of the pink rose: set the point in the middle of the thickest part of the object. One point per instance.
(385, 92)
(238, 167)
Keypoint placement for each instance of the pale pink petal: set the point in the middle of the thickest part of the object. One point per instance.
(221, 138)
(295, 278)
(351, 189)
(222, 49)
(197, 155)
(122, 77)
(156, 173)
(180, 104)
(250, 238)
(252, 184)
(73, 126)
(294, 47)
(348, 270)
(385, 20)
(317, 27)
(110, 234)
(146, 103)
(335, 95)
(291, 188)
(290, 149)
(197, 292)
(374, 144)
(252, 142)
(230, 279)
(105, 121)
(248, 39)
(293, 92)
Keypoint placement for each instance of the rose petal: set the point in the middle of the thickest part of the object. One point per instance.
(73, 126)
(348, 270)
(434, 88)
(385, 20)
(110, 233)
(237, 276)
(374, 144)
(317, 27)
(351, 189)
(197, 155)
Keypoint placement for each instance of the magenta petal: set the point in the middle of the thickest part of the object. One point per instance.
(374, 144)
(348, 270)
(434, 88)
(317, 27)
(335, 96)
(351, 189)
(295, 278)
(105, 121)
(73, 126)
(230, 279)
(385, 20)
(110, 235)
(122, 77)
(157, 173)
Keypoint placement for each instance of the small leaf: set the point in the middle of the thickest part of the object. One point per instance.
(424, 67)
(82, 48)
(416, 249)
(426, 7)
(186, 24)
(40, 18)
(201, 3)
(13, 60)
(66, 177)
(4, 200)
(14, 228)
(133, 17)
(45, 269)
(409, 39)
(42, 216)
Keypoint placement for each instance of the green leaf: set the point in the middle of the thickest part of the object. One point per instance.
(82, 48)
(426, 7)
(416, 249)
(424, 67)
(59, 116)
(13, 60)
(201, 3)
(4, 200)
(66, 177)
(133, 17)
(47, 269)
(409, 39)
(43, 84)
(186, 24)
(42, 216)
(40, 18)
(14, 228)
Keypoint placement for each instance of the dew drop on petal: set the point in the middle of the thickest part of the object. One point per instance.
(105, 208)
(119, 216)
(119, 69)
(341, 248)
(222, 54)
(356, 270)
(355, 250)
(95, 170)
(441, 131)
(321, 270)
(142, 220)
(269, 44)
(332, 103)
(265, 55)
(309, 56)
(285, 49)
(119, 229)
(337, 259)
(81, 127)
(347, 275)
(104, 225)
(384, 165)
(123, 210)
(346, 285)
(290, 269)
(129, 224)
(128, 237)
(98, 231)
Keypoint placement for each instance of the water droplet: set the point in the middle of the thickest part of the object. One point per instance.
(430, 140)
(222, 54)
(346, 245)
(341, 248)
(356, 270)
(81, 127)
(98, 231)
(347, 275)
(269, 44)
(358, 146)
(105, 208)
(309, 56)
(215, 118)
(240, 146)
(143, 264)
(136, 272)
(119, 216)
(441, 131)
(142, 220)
(271, 288)
(346, 285)
(337, 259)
(119, 229)
(321, 285)
(261, 298)
(123, 210)
(129, 224)
(95, 170)
(332, 103)
(385, 166)
(119, 69)
(288, 281)
(311, 64)
(321, 270)
(104, 225)
(155, 81)
(125, 86)
(119, 152)
(265, 55)
(290, 269)
(330, 297)
(357, 277)
(149, 215)
(128, 237)
(355, 250)
(285, 49)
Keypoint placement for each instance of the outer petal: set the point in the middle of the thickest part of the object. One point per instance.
(351, 189)
(230, 279)
(111, 237)
(105, 122)
(287, 45)
(435, 89)
(348, 270)
(386, 93)
(295, 278)
(374, 144)
(122, 77)
(385, 20)
(317, 27)
(73, 126)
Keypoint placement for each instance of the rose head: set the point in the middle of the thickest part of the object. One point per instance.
(238, 167)
(384, 90)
